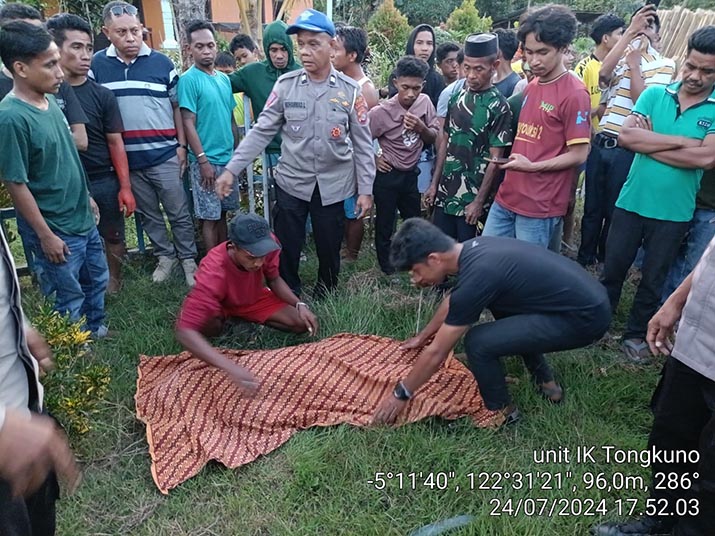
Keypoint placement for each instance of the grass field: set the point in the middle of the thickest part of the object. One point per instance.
(317, 484)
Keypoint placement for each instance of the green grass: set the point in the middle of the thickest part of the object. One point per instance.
(317, 483)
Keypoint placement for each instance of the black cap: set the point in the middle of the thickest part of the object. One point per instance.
(481, 45)
(252, 233)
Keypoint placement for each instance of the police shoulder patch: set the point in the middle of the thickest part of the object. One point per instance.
(361, 109)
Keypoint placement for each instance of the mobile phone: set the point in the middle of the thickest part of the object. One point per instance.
(497, 160)
(655, 3)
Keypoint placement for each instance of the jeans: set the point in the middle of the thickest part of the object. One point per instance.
(393, 191)
(684, 419)
(454, 226)
(700, 233)
(606, 173)
(79, 283)
(529, 335)
(32, 516)
(661, 240)
(328, 224)
(162, 184)
(504, 222)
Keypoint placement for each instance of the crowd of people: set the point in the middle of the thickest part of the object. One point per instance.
(489, 149)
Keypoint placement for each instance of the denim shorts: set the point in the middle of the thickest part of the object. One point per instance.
(104, 190)
(207, 205)
(350, 207)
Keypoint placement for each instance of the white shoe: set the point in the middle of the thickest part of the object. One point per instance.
(164, 268)
(189, 266)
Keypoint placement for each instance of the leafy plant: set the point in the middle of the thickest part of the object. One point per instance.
(388, 29)
(77, 385)
(466, 20)
(426, 11)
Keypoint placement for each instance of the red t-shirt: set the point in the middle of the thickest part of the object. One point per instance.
(553, 116)
(221, 285)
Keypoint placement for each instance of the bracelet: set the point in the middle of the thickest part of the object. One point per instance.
(303, 304)
(204, 162)
(200, 155)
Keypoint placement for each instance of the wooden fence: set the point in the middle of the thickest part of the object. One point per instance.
(676, 25)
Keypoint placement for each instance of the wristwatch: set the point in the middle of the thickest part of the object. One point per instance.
(401, 392)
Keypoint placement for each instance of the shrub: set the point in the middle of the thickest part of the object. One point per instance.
(388, 29)
(77, 385)
(466, 20)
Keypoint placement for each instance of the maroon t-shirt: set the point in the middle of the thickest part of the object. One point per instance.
(554, 115)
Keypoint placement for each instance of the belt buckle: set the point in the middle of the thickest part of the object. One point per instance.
(610, 142)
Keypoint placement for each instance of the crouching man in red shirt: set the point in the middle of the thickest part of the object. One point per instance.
(239, 279)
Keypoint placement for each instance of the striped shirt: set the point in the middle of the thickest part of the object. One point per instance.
(146, 93)
(656, 71)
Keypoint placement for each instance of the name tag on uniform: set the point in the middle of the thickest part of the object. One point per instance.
(294, 104)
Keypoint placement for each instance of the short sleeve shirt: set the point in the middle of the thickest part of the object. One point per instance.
(554, 116)
(514, 277)
(476, 121)
(223, 286)
(209, 96)
(657, 190)
(66, 100)
(100, 106)
(38, 150)
(587, 70)
(446, 95)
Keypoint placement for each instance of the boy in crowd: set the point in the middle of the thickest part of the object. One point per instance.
(505, 79)
(552, 137)
(446, 59)
(105, 160)
(144, 82)
(66, 99)
(207, 104)
(402, 125)
(42, 172)
(244, 49)
(239, 279)
(350, 53)
(477, 128)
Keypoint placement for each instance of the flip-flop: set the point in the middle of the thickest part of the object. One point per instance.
(549, 393)
(637, 352)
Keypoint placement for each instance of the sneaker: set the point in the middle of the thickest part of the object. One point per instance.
(189, 266)
(103, 332)
(163, 269)
(644, 526)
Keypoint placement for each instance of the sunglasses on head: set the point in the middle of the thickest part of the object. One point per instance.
(118, 11)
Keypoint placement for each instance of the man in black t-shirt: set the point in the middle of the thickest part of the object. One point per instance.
(105, 159)
(542, 302)
(65, 97)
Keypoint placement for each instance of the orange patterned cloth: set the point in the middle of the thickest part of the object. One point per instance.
(194, 413)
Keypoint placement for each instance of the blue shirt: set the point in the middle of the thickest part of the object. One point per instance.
(211, 99)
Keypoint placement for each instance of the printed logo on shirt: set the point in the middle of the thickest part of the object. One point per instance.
(295, 104)
(361, 109)
(529, 131)
(546, 107)
(705, 123)
(582, 117)
(272, 98)
(409, 137)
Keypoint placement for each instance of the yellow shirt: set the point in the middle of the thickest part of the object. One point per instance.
(587, 70)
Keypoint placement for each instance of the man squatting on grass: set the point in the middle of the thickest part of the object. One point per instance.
(542, 302)
(239, 279)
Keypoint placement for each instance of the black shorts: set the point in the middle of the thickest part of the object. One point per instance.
(104, 190)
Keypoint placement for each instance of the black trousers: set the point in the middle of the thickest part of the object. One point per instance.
(393, 191)
(530, 336)
(684, 419)
(328, 221)
(454, 226)
(34, 516)
(606, 172)
(661, 240)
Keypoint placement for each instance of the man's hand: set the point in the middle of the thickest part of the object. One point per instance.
(473, 211)
(413, 343)
(208, 175)
(54, 248)
(389, 409)
(39, 348)
(95, 210)
(364, 204)
(243, 378)
(431, 195)
(412, 122)
(309, 319)
(640, 21)
(382, 165)
(518, 162)
(661, 329)
(31, 447)
(633, 60)
(181, 155)
(224, 184)
(127, 203)
(643, 122)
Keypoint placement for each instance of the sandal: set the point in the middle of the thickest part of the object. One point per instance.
(636, 352)
(500, 417)
(555, 394)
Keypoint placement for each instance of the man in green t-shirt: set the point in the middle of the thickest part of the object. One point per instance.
(478, 128)
(41, 169)
(672, 131)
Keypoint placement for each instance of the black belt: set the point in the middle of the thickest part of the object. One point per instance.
(605, 141)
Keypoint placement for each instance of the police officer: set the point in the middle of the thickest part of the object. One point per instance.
(326, 153)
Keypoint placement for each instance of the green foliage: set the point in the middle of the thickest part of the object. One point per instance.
(466, 20)
(77, 385)
(90, 10)
(443, 36)
(5, 200)
(426, 11)
(388, 28)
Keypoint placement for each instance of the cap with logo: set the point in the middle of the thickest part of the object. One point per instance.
(313, 21)
(252, 233)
